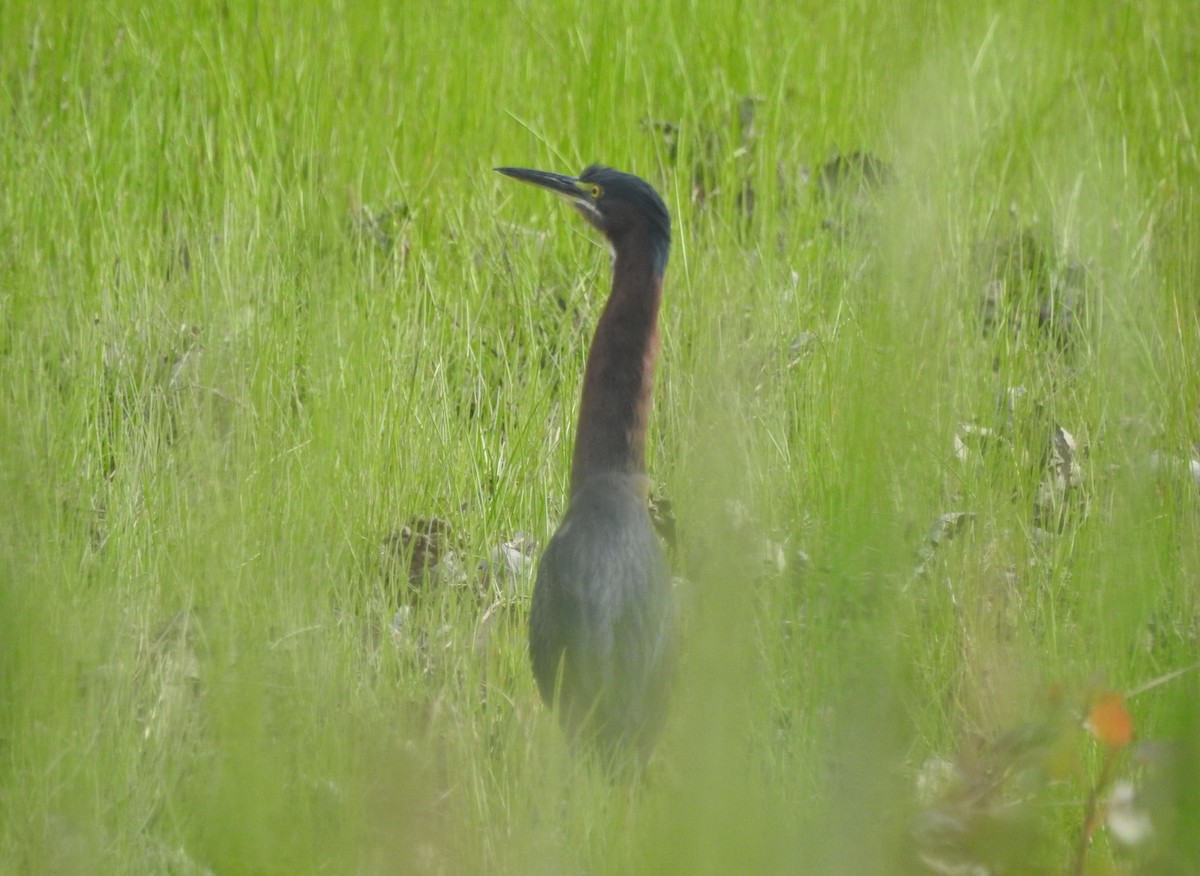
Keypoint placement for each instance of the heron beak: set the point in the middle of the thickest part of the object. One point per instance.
(570, 188)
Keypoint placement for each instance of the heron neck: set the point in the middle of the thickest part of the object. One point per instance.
(619, 378)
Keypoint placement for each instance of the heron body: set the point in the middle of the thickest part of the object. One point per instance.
(601, 623)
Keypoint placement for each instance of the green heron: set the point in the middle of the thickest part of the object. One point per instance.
(601, 623)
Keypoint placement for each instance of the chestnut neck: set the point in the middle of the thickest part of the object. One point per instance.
(619, 379)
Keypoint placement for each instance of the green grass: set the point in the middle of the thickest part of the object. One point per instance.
(262, 300)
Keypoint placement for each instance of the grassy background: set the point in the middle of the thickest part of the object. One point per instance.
(262, 300)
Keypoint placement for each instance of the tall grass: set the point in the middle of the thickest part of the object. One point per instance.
(264, 302)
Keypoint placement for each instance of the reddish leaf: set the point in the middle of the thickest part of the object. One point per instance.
(1109, 721)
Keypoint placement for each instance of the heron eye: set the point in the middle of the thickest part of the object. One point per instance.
(597, 191)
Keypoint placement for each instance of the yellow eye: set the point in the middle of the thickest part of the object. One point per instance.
(596, 191)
